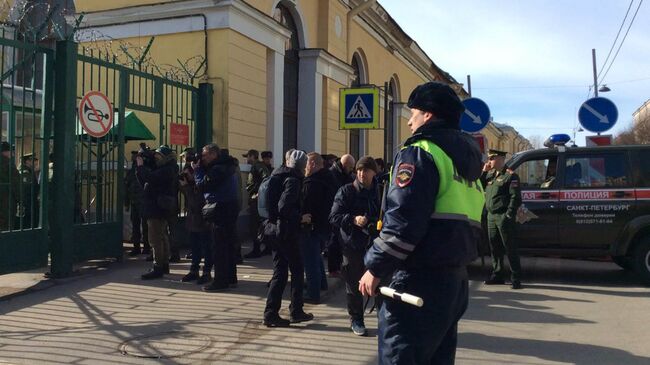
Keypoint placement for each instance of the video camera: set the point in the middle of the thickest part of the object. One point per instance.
(147, 155)
(192, 156)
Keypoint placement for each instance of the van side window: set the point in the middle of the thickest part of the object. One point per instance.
(644, 168)
(538, 173)
(596, 171)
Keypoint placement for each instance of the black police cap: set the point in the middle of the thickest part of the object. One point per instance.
(439, 99)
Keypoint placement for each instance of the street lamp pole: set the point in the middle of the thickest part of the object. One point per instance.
(593, 59)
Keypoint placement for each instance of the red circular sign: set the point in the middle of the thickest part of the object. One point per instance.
(96, 114)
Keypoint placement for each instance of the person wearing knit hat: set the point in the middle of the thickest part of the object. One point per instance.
(283, 227)
(354, 214)
(429, 232)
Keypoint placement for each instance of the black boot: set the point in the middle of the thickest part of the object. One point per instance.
(165, 268)
(191, 276)
(253, 254)
(155, 273)
(135, 251)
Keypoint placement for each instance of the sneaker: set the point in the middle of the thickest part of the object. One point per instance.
(204, 279)
(516, 284)
(358, 328)
(494, 281)
(253, 254)
(134, 252)
(276, 321)
(155, 273)
(215, 287)
(191, 276)
(301, 317)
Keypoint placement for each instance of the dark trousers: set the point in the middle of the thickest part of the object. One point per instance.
(174, 245)
(427, 335)
(286, 257)
(223, 240)
(501, 238)
(310, 247)
(201, 249)
(334, 253)
(139, 229)
(352, 271)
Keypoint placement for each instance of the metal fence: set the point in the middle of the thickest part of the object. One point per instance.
(26, 106)
(82, 173)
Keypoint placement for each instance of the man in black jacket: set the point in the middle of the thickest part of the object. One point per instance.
(355, 214)
(133, 202)
(216, 179)
(342, 171)
(160, 200)
(318, 191)
(284, 224)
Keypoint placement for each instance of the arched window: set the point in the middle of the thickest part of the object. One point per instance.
(355, 147)
(292, 46)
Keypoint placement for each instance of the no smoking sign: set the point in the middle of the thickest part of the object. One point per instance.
(96, 114)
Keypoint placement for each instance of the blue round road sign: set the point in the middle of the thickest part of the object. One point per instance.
(598, 114)
(476, 115)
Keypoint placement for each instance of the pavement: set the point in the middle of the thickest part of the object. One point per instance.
(569, 312)
(106, 315)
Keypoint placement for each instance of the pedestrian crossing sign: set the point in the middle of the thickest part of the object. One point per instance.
(359, 108)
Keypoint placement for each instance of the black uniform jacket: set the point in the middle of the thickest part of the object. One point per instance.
(410, 239)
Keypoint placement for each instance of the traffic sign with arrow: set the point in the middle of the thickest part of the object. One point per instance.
(476, 115)
(598, 114)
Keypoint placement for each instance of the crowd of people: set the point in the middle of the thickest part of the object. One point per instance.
(314, 206)
(415, 231)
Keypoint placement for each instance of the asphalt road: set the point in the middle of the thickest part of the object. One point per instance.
(570, 312)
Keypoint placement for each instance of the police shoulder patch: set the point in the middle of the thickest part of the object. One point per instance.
(404, 174)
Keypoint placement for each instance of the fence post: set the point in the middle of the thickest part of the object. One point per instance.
(204, 115)
(63, 189)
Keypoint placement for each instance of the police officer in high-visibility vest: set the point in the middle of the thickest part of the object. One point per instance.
(502, 200)
(429, 234)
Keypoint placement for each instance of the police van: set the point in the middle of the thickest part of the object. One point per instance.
(586, 202)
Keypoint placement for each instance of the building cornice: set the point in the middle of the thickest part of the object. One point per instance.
(167, 18)
(328, 65)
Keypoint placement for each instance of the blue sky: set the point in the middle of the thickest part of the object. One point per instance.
(530, 61)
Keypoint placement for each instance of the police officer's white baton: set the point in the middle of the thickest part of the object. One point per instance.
(402, 297)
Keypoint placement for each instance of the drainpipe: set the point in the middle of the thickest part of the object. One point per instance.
(351, 14)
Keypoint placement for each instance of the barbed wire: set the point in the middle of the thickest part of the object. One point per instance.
(40, 22)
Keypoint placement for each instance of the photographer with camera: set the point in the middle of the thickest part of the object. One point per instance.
(157, 172)
(216, 179)
(198, 230)
(355, 214)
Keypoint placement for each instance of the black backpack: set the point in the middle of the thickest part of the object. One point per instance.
(268, 197)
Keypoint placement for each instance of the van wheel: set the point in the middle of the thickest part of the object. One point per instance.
(624, 262)
(642, 259)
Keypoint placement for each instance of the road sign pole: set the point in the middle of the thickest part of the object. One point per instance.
(386, 125)
(469, 85)
(593, 61)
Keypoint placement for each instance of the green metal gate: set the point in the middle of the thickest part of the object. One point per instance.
(80, 183)
(26, 105)
(100, 162)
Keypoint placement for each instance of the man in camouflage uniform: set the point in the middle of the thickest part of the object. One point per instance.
(502, 199)
(9, 185)
(29, 202)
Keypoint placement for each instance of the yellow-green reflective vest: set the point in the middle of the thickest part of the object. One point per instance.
(457, 198)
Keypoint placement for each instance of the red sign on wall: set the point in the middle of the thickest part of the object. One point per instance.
(179, 134)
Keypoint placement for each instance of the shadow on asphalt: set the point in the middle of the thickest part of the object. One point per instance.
(62, 322)
(563, 352)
